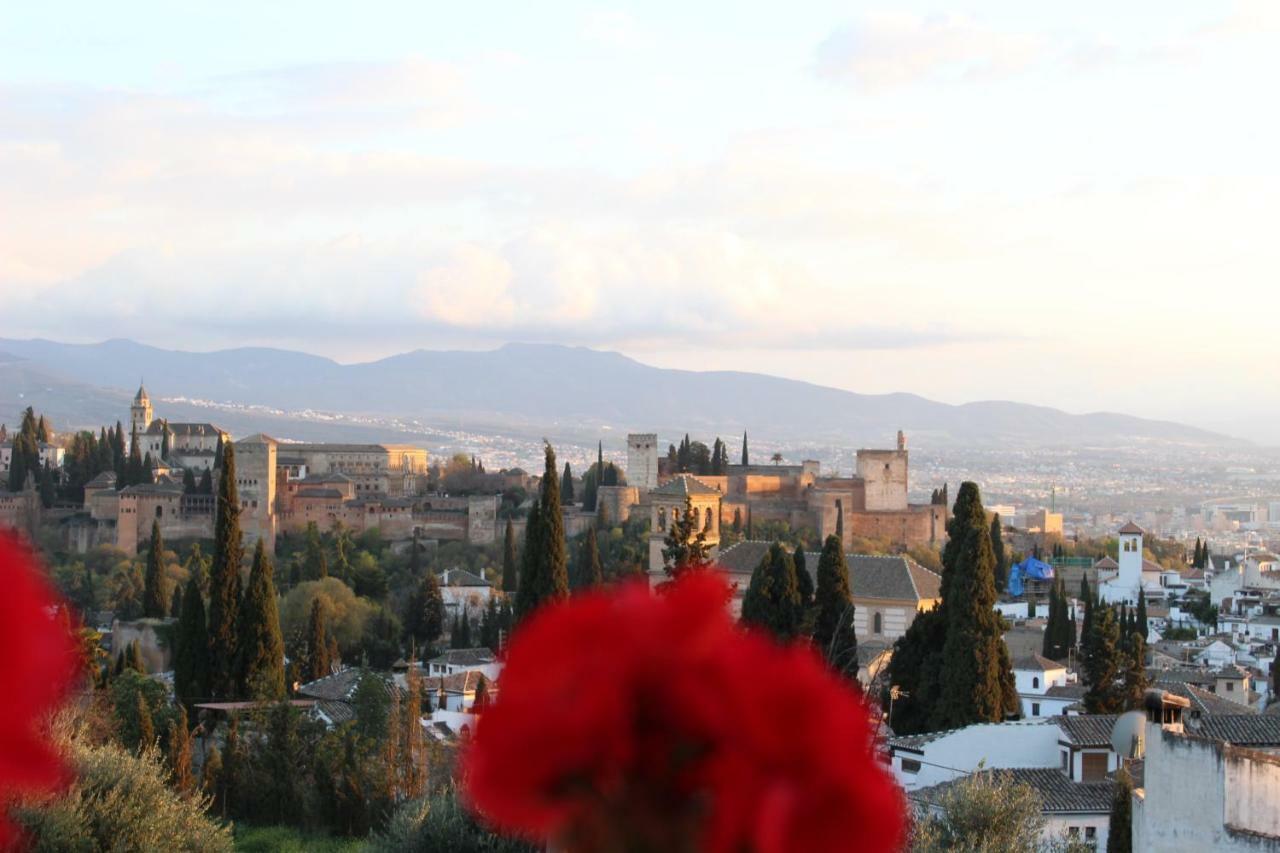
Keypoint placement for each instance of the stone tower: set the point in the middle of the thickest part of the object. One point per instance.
(140, 412)
(642, 460)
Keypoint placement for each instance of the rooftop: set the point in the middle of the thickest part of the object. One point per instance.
(1057, 792)
(894, 578)
(462, 577)
(684, 485)
(1088, 730)
(1254, 730)
(1037, 663)
(465, 657)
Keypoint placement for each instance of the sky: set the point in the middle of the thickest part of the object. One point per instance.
(1065, 204)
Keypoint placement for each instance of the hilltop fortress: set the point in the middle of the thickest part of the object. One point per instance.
(282, 488)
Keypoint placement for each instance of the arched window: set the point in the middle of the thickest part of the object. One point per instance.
(1035, 682)
(707, 525)
(662, 518)
(159, 512)
(877, 626)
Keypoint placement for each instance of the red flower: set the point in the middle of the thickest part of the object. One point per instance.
(37, 669)
(633, 721)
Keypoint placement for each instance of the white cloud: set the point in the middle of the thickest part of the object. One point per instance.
(890, 49)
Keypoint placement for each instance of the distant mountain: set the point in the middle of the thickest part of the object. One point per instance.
(560, 388)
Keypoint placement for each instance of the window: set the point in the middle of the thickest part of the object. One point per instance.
(662, 518)
(1073, 831)
(1093, 767)
(159, 512)
(910, 765)
(1035, 682)
(876, 624)
(1231, 686)
(1090, 833)
(707, 525)
(1035, 709)
(1066, 762)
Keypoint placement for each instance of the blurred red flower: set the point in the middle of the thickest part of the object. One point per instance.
(37, 669)
(640, 722)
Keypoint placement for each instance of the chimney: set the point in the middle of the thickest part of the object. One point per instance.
(902, 440)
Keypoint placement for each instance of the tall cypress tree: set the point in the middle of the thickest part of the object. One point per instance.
(544, 574)
(224, 582)
(833, 632)
(261, 672)
(1049, 645)
(1141, 623)
(134, 468)
(1086, 620)
(319, 663)
(745, 458)
(997, 550)
(588, 573)
(976, 673)
(1120, 828)
(566, 485)
(191, 648)
(155, 597)
(804, 581)
(425, 618)
(1103, 664)
(509, 577)
(772, 600)
(1135, 673)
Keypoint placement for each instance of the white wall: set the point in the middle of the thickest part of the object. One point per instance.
(992, 745)
(1035, 681)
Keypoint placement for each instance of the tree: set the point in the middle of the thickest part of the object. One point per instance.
(804, 581)
(745, 457)
(984, 811)
(424, 619)
(179, 753)
(189, 486)
(833, 632)
(772, 599)
(164, 440)
(776, 458)
(977, 677)
(1102, 665)
(134, 470)
(319, 662)
(588, 573)
(261, 648)
(315, 561)
(1140, 624)
(146, 728)
(544, 576)
(510, 579)
(206, 482)
(191, 648)
(1135, 673)
(685, 545)
(224, 582)
(1120, 829)
(175, 602)
(1086, 620)
(997, 550)
(155, 596)
(566, 486)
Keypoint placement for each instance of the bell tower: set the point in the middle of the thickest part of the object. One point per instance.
(140, 412)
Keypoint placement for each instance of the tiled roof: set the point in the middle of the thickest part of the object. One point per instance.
(340, 686)
(1066, 691)
(462, 577)
(319, 493)
(104, 480)
(1058, 794)
(1202, 701)
(1090, 730)
(684, 485)
(1036, 663)
(157, 427)
(465, 657)
(894, 578)
(1132, 529)
(918, 742)
(1183, 676)
(1240, 729)
(152, 489)
(458, 682)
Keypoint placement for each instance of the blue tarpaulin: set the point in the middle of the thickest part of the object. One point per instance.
(1030, 569)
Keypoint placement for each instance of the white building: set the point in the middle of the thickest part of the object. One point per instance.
(1044, 687)
(465, 660)
(1119, 581)
(460, 589)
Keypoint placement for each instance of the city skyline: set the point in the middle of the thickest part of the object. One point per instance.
(1003, 204)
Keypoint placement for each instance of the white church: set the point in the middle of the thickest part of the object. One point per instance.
(1119, 582)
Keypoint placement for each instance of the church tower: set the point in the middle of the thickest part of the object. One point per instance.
(1129, 578)
(140, 411)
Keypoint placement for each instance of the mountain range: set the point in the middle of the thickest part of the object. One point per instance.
(563, 391)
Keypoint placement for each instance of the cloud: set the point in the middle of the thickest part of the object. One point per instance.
(892, 49)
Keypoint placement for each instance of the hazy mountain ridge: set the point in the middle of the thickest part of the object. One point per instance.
(572, 387)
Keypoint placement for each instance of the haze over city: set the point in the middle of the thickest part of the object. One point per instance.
(1065, 206)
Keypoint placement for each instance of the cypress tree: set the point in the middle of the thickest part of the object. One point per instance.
(566, 486)
(425, 619)
(588, 574)
(189, 482)
(164, 441)
(1086, 620)
(509, 577)
(997, 550)
(191, 648)
(685, 545)
(545, 574)
(261, 674)
(833, 632)
(155, 598)
(180, 753)
(133, 658)
(976, 673)
(804, 581)
(1103, 664)
(1120, 828)
(1141, 623)
(744, 449)
(1135, 673)
(530, 560)
(772, 600)
(319, 662)
(224, 582)
(1049, 646)
(146, 728)
(206, 482)
(134, 468)
(175, 602)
